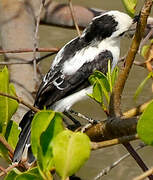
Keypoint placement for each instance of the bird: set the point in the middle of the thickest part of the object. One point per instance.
(67, 79)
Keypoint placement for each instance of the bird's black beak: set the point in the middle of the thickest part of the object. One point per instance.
(136, 19)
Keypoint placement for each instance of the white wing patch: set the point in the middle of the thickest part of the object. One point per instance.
(60, 55)
(89, 53)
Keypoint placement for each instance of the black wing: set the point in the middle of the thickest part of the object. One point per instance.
(56, 86)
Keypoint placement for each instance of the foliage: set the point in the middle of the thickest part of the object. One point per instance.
(142, 84)
(8, 107)
(54, 147)
(103, 86)
(130, 6)
(46, 125)
(146, 49)
(75, 151)
(145, 125)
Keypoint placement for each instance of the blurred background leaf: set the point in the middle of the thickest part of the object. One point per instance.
(130, 6)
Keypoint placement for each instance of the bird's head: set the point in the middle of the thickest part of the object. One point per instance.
(111, 24)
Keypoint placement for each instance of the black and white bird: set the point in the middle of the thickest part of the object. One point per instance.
(67, 80)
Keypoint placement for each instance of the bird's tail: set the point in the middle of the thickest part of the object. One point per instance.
(24, 138)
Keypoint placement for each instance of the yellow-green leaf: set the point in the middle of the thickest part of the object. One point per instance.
(40, 123)
(130, 6)
(144, 50)
(145, 125)
(46, 138)
(12, 133)
(70, 151)
(7, 106)
(142, 84)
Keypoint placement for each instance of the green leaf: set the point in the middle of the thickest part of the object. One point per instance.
(4, 152)
(32, 174)
(103, 80)
(26, 176)
(7, 106)
(12, 133)
(103, 85)
(4, 110)
(145, 125)
(142, 84)
(114, 75)
(43, 169)
(13, 104)
(130, 6)
(34, 171)
(92, 79)
(109, 76)
(40, 122)
(46, 138)
(97, 93)
(11, 175)
(144, 50)
(100, 86)
(70, 151)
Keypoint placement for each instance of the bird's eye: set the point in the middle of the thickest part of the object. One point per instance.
(122, 34)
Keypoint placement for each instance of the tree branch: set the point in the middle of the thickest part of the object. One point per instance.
(8, 169)
(112, 128)
(136, 110)
(115, 101)
(144, 175)
(7, 146)
(106, 170)
(124, 139)
(23, 50)
(21, 101)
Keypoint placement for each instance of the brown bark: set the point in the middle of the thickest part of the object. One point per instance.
(112, 128)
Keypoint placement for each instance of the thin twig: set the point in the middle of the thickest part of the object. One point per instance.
(144, 175)
(106, 170)
(11, 152)
(36, 38)
(142, 64)
(21, 101)
(146, 39)
(136, 110)
(98, 145)
(3, 169)
(7, 146)
(74, 18)
(28, 61)
(137, 158)
(24, 50)
(8, 169)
